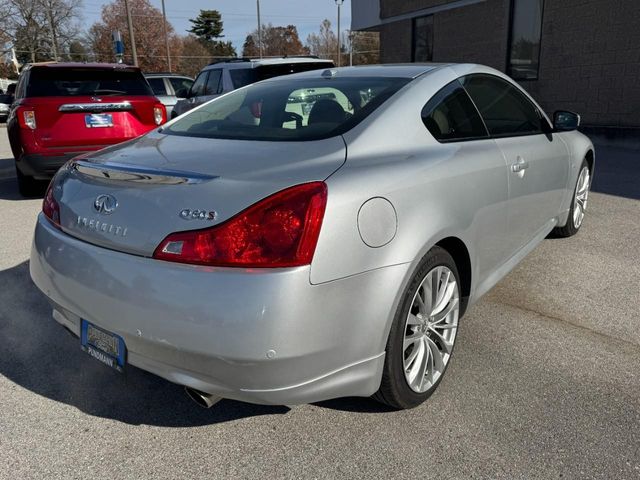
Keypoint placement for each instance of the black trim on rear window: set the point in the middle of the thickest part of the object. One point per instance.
(289, 110)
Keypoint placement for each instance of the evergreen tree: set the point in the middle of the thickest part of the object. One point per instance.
(208, 28)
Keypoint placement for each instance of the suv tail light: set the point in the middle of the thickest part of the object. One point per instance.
(27, 118)
(159, 114)
(50, 207)
(279, 231)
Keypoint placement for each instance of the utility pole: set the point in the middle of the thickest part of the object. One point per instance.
(52, 32)
(259, 29)
(166, 37)
(339, 3)
(132, 39)
(352, 37)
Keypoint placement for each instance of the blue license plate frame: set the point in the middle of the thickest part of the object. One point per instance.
(103, 345)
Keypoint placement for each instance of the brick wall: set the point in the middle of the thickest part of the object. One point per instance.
(590, 51)
(396, 42)
(472, 34)
(590, 60)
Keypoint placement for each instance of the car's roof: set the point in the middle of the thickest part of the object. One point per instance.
(166, 75)
(259, 62)
(96, 65)
(397, 70)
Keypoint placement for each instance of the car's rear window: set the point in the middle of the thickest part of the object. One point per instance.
(288, 110)
(69, 82)
(245, 76)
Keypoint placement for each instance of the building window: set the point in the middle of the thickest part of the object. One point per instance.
(524, 39)
(423, 39)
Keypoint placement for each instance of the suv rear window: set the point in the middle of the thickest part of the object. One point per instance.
(288, 110)
(69, 82)
(244, 76)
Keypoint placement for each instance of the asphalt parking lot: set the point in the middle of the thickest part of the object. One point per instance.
(544, 383)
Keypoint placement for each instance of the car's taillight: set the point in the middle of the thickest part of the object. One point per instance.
(159, 114)
(27, 119)
(280, 231)
(50, 207)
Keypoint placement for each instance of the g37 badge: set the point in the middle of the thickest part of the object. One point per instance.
(188, 214)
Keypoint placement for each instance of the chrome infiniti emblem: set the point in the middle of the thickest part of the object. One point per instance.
(188, 214)
(105, 204)
(96, 99)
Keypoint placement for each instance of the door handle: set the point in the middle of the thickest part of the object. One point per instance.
(519, 166)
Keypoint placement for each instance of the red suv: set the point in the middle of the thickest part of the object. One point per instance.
(64, 109)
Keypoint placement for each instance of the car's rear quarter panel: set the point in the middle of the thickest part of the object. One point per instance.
(438, 190)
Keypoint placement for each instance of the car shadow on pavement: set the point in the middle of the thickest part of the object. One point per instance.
(40, 355)
(355, 405)
(9, 189)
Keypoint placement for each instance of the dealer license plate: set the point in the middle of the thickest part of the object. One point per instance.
(103, 345)
(98, 120)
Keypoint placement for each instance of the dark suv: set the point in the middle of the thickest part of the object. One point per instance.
(64, 109)
(227, 75)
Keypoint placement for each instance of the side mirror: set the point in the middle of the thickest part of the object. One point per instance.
(564, 121)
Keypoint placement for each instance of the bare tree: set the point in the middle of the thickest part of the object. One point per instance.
(61, 16)
(363, 47)
(325, 43)
(39, 29)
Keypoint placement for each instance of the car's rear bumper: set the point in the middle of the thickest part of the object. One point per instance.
(43, 166)
(262, 335)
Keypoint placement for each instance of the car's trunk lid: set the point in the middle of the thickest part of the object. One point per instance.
(130, 197)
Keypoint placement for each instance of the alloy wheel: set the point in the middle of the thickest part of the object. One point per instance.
(430, 329)
(581, 196)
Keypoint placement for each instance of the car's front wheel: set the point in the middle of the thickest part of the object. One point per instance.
(423, 333)
(578, 203)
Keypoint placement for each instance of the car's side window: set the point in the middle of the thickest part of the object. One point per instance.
(213, 84)
(451, 116)
(157, 85)
(197, 89)
(181, 86)
(504, 109)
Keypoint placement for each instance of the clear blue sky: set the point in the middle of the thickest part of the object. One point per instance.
(239, 16)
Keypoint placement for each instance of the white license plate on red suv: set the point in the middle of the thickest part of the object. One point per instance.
(98, 120)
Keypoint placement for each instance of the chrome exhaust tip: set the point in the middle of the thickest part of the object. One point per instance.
(204, 400)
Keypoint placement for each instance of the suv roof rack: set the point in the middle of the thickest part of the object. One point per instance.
(255, 59)
(160, 73)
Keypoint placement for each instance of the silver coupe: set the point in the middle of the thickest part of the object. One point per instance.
(311, 236)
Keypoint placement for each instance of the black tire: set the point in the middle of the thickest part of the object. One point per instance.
(29, 186)
(570, 228)
(394, 390)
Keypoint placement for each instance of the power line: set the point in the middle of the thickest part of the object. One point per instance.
(246, 15)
